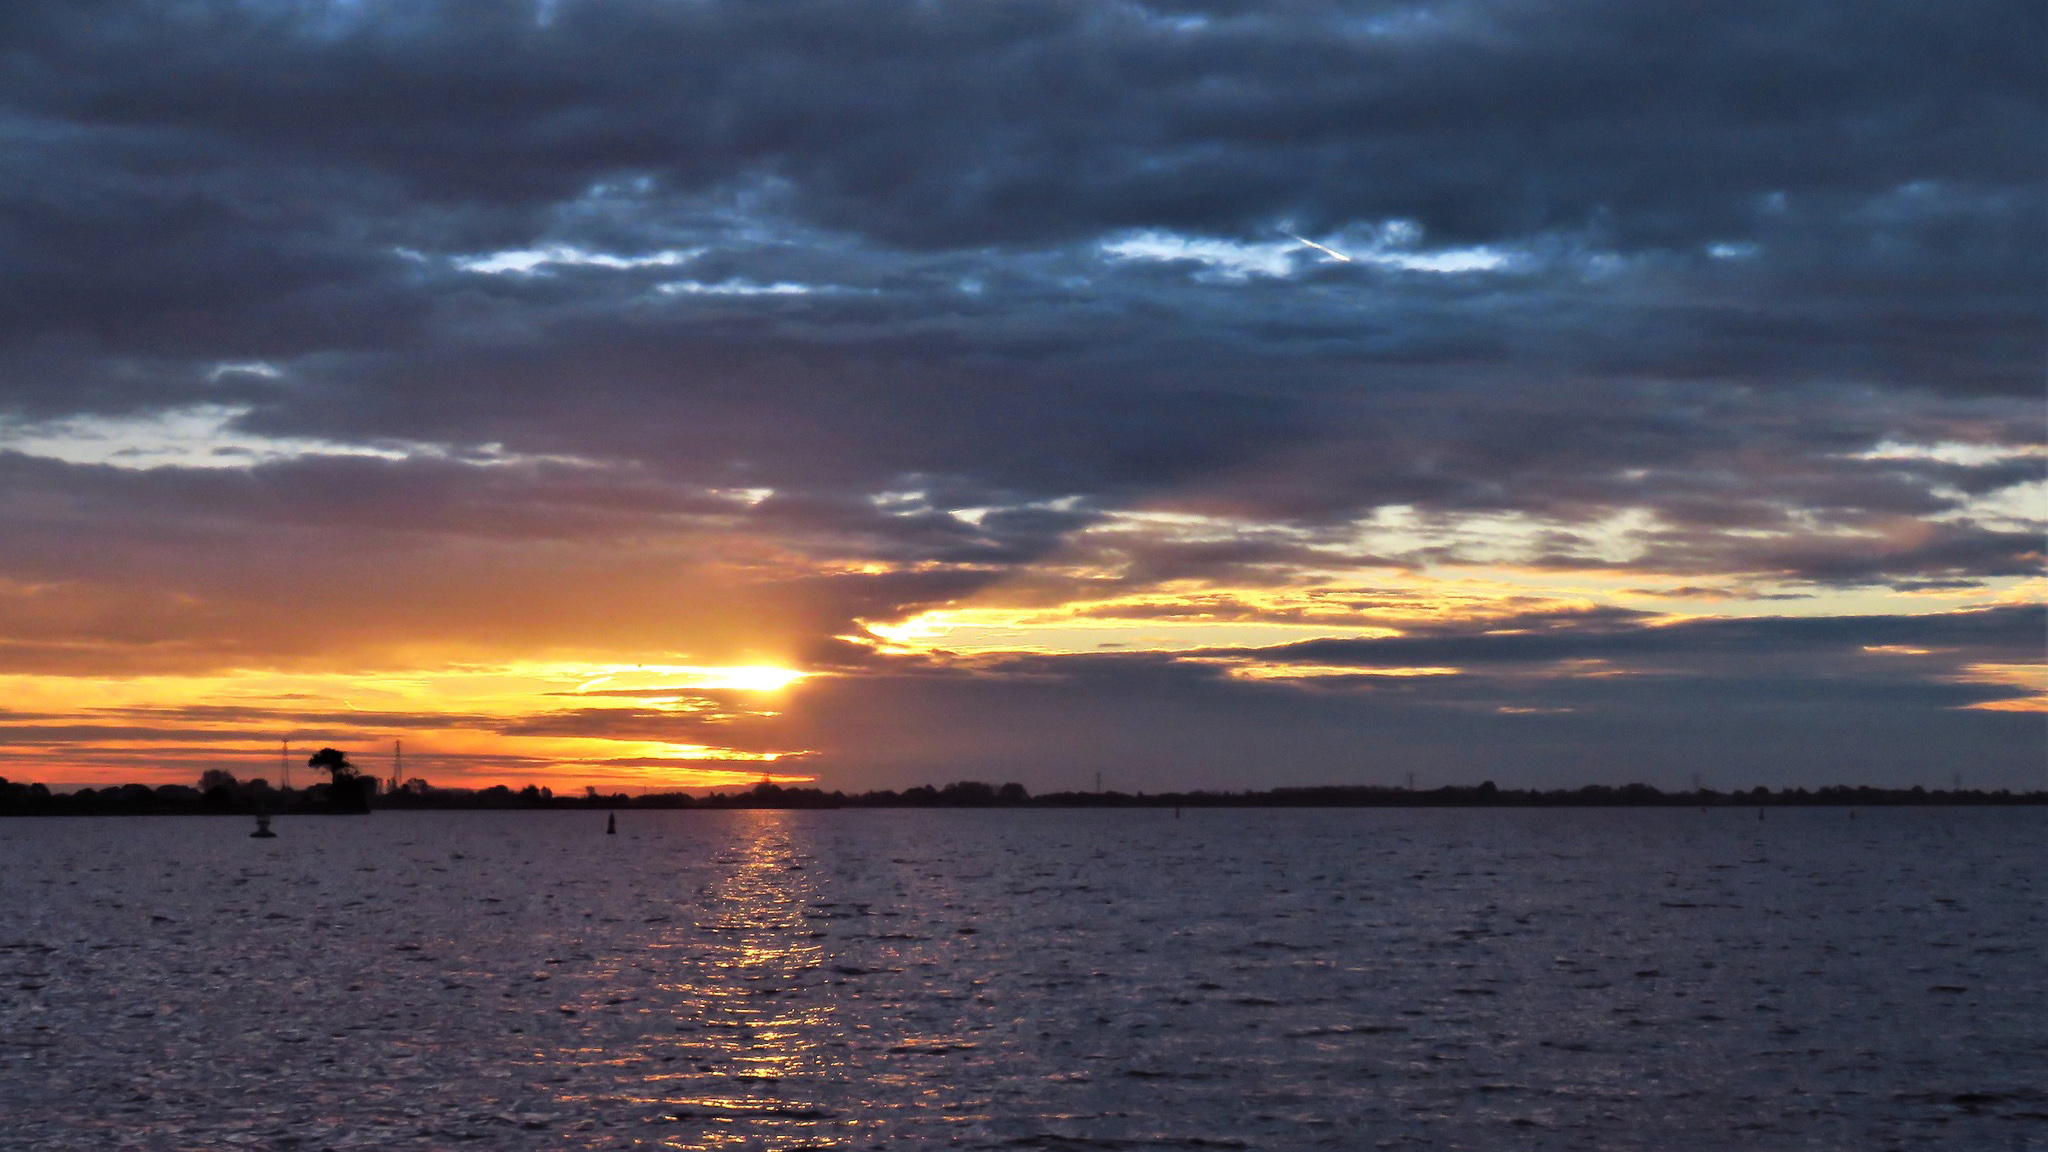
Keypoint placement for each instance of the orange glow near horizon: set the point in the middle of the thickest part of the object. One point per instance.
(670, 723)
(1256, 671)
(744, 678)
(564, 725)
(1182, 616)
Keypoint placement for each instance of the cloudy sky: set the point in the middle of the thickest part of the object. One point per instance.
(1208, 394)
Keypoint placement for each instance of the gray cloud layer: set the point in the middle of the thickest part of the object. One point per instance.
(1034, 259)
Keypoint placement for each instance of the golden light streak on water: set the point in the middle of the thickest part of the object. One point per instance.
(741, 1007)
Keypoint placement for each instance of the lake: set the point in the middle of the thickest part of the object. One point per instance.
(1260, 979)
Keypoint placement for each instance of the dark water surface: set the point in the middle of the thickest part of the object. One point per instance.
(1471, 979)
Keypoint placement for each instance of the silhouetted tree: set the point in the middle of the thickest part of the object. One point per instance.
(170, 797)
(334, 762)
(217, 778)
(967, 794)
(350, 791)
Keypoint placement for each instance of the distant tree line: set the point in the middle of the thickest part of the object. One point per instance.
(347, 791)
(219, 793)
(1488, 795)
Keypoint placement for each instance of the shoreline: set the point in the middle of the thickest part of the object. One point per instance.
(180, 800)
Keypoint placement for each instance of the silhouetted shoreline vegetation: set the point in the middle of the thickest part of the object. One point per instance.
(221, 794)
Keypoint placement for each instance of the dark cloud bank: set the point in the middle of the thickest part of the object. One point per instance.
(1735, 266)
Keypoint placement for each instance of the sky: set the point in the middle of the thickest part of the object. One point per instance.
(677, 393)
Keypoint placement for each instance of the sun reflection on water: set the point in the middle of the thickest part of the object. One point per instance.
(751, 998)
(741, 1000)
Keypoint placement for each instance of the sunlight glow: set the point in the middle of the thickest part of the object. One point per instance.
(1368, 603)
(2021, 507)
(708, 752)
(2032, 678)
(563, 724)
(1954, 452)
(1063, 630)
(1265, 671)
(746, 678)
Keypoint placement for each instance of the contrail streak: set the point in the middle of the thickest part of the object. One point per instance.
(1325, 249)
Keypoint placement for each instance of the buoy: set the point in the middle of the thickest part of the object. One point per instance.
(262, 831)
(611, 824)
